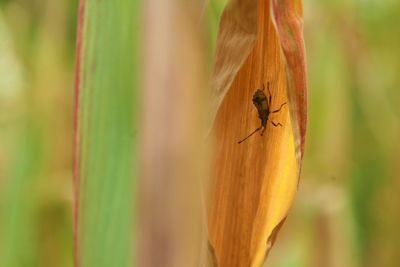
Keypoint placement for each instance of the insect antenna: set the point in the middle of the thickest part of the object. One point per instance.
(259, 128)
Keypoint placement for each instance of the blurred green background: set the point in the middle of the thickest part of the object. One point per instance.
(347, 210)
(37, 59)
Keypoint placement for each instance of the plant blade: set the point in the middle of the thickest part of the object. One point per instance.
(105, 139)
(255, 181)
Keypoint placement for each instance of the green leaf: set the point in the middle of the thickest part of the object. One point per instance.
(105, 141)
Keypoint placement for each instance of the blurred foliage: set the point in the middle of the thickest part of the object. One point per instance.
(37, 43)
(346, 213)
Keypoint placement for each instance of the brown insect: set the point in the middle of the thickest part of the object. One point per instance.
(263, 105)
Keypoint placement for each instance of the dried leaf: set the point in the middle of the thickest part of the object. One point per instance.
(288, 18)
(235, 41)
(255, 181)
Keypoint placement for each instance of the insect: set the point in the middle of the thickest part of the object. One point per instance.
(263, 105)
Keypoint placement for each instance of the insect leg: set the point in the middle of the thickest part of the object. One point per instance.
(276, 124)
(279, 109)
(259, 128)
(262, 132)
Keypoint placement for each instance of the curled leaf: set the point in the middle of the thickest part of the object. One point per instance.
(255, 181)
(288, 18)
